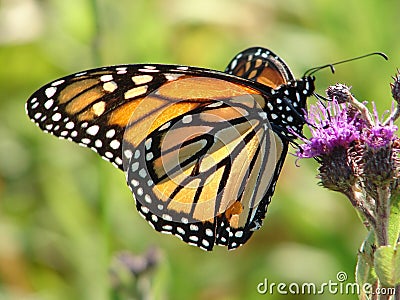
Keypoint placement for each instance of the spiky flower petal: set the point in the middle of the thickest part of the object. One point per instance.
(331, 126)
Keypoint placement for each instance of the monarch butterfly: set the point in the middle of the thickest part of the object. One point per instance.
(201, 149)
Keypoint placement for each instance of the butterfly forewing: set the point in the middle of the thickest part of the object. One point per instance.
(201, 149)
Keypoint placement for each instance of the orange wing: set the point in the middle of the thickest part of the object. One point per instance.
(202, 149)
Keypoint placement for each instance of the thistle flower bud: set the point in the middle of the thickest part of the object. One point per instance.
(339, 92)
(337, 172)
(396, 87)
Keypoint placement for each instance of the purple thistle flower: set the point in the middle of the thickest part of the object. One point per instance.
(352, 145)
(331, 126)
(339, 125)
(379, 136)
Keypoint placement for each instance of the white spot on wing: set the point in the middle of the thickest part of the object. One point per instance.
(205, 243)
(110, 86)
(134, 182)
(128, 153)
(149, 156)
(93, 130)
(70, 125)
(167, 227)
(183, 68)
(121, 70)
(58, 82)
(165, 126)
(98, 144)
(56, 117)
(187, 119)
(142, 173)
(149, 69)
(110, 133)
(106, 78)
(49, 103)
(85, 141)
(134, 167)
(147, 198)
(142, 79)
(147, 144)
(50, 91)
(209, 232)
(145, 209)
(115, 144)
(80, 73)
(167, 217)
(172, 77)
(135, 92)
(98, 108)
(215, 104)
(118, 161)
(239, 234)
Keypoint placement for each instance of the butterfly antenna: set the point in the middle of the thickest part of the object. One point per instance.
(331, 66)
(311, 71)
(320, 97)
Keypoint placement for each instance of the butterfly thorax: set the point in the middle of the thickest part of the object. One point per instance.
(287, 106)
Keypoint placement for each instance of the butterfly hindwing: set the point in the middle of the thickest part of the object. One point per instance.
(260, 65)
(204, 173)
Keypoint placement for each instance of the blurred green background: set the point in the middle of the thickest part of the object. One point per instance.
(65, 213)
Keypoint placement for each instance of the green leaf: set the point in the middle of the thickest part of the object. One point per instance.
(365, 272)
(387, 265)
(394, 220)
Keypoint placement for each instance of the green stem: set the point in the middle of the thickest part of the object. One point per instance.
(355, 198)
(382, 224)
(382, 216)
